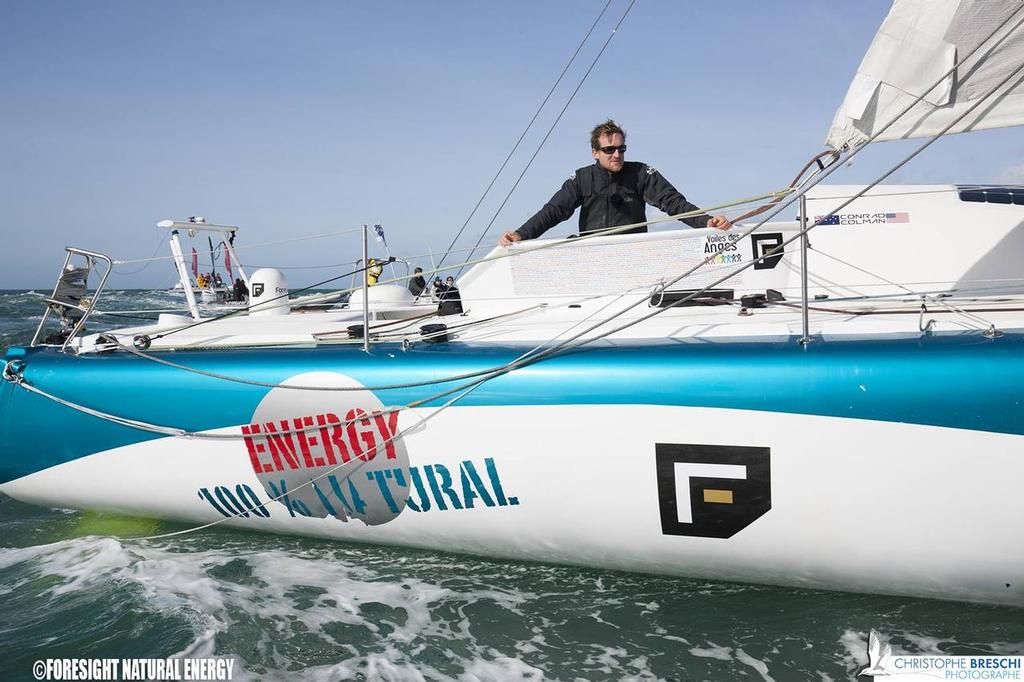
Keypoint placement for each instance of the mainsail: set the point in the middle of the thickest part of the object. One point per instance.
(917, 44)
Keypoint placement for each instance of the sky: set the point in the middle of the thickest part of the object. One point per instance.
(311, 118)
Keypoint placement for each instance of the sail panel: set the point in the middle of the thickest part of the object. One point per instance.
(919, 42)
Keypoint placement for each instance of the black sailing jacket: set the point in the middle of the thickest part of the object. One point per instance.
(611, 199)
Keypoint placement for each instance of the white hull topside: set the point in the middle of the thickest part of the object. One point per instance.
(854, 504)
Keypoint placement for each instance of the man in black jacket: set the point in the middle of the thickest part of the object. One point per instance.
(417, 283)
(612, 192)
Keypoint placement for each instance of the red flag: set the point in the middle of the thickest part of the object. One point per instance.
(195, 262)
(227, 261)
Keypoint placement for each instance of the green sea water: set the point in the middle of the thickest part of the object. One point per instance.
(76, 585)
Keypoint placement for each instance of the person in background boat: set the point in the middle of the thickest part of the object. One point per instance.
(451, 299)
(417, 283)
(612, 192)
(374, 270)
(450, 289)
(201, 280)
(241, 291)
(217, 281)
(438, 288)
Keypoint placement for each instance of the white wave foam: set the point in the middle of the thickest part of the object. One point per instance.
(722, 653)
(760, 666)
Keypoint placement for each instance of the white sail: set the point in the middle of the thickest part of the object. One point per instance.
(919, 42)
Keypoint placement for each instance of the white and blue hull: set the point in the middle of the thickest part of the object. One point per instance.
(866, 466)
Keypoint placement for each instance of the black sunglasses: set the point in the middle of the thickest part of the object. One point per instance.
(609, 150)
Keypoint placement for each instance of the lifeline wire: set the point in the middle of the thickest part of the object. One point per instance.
(552, 128)
(275, 242)
(523, 135)
(232, 313)
(520, 248)
(933, 299)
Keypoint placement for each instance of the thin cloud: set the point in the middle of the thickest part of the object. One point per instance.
(1014, 175)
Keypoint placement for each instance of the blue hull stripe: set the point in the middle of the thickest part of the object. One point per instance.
(953, 380)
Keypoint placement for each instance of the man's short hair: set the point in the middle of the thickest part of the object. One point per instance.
(608, 128)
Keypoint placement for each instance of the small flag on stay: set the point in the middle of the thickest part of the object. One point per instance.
(379, 229)
(227, 261)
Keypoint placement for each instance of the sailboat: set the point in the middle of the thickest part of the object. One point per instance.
(208, 289)
(835, 402)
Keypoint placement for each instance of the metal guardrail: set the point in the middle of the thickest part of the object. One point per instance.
(54, 301)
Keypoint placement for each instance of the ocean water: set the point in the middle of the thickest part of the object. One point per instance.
(74, 585)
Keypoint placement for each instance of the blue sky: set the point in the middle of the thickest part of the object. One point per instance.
(299, 118)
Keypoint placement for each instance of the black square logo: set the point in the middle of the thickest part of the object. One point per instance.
(711, 491)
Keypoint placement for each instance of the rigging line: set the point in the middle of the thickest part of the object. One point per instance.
(147, 261)
(308, 237)
(525, 130)
(459, 377)
(232, 313)
(17, 379)
(356, 462)
(552, 128)
(521, 248)
(262, 384)
(347, 264)
(376, 330)
(923, 295)
(251, 246)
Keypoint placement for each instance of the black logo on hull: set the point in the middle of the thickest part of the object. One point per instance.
(711, 491)
(762, 244)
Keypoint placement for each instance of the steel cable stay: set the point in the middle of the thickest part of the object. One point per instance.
(521, 248)
(552, 128)
(523, 135)
(276, 242)
(923, 295)
(486, 191)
